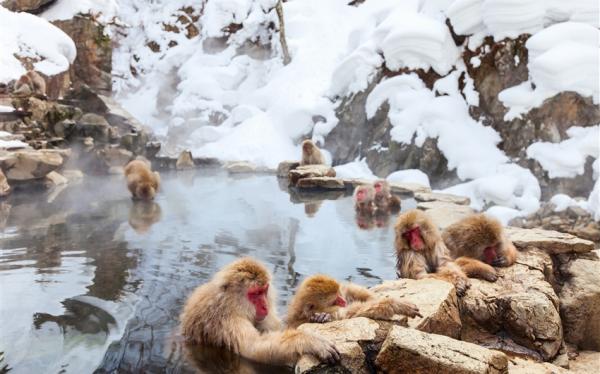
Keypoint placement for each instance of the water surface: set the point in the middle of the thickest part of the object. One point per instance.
(90, 280)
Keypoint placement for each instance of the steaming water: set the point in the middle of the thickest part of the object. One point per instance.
(91, 281)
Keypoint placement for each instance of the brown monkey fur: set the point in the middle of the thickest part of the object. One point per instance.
(311, 155)
(221, 313)
(433, 259)
(321, 298)
(30, 83)
(141, 181)
(363, 199)
(478, 243)
(384, 200)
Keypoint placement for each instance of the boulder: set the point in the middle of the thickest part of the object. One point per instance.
(94, 126)
(402, 188)
(284, 167)
(553, 242)
(411, 351)
(586, 362)
(580, 301)
(55, 179)
(444, 214)
(442, 197)
(436, 300)
(310, 171)
(326, 183)
(31, 6)
(518, 365)
(241, 167)
(185, 161)
(349, 337)
(24, 165)
(4, 186)
(521, 305)
(115, 156)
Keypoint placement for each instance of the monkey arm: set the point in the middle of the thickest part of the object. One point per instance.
(477, 269)
(354, 292)
(278, 347)
(508, 255)
(452, 273)
(383, 308)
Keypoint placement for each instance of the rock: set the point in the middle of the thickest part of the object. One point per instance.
(347, 335)
(521, 305)
(327, 183)
(31, 6)
(436, 300)
(445, 214)
(88, 141)
(241, 167)
(442, 197)
(94, 126)
(55, 179)
(402, 188)
(310, 171)
(352, 183)
(185, 161)
(29, 164)
(553, 242)
(64, 128)
(4, 186)
(580, 301)
(73, 175)
(284, 167)
(585, 363)
(518, 365)
(412, 351)
(116, 156)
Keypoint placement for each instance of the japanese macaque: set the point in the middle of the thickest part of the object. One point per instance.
(236, 310)
(421, 252)
(144, 214)
(363, 199)
(311, 155)
(477, 243)
(141, 181)
(322, 299)
(384, 200)
(30, 83)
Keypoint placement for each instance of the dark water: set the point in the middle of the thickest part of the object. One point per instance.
(91, 281)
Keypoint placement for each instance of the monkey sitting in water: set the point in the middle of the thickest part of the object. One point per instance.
(384, 200)
(141, 181)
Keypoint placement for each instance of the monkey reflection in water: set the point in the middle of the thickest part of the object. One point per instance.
(144, 214)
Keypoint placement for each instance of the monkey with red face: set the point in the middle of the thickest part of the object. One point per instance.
(478, 243)
(421, 252)
(236, 310)
(384, 200)
(363, 199)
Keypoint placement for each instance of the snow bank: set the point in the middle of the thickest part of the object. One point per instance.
(356, 169)
(567, 158)
(104, 10)
(6, 141)
(409, 176)
(25, 35)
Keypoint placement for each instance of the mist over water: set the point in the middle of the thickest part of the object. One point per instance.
(91, 280)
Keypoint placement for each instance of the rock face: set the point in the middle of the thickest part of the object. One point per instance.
(31, 6)
(586, 362)
(436, 300)
(327, 183)
(310, 171)
(520, 304)
(25, 165)
(4, 186)
(411, 351)
(580, 301)
(553, 242)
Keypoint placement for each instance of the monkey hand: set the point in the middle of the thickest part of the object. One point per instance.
(408, 309)
(321, 318)
(462, 285)
(490, 276)
(324, 350)
(500, 260)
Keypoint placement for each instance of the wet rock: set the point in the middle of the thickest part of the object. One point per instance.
(93, 126)
(521, 304)
(55, 179)
(310, 171)
(284, 167)
(586, 362)
(402, 188)
(24, 165)
(518, 365)
(73, 175)
(115, 156)
(241, 167)
(444, 214)
(326, 183)
(553, 242)
(436, 300)
(88, 141)
(412, 351)
(31, 6)
(184, 161)
(4, 186)
(442, 197)
(580, 301)
(348, 336)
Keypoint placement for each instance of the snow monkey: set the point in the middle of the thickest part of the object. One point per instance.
(478, 243)
(322, 299)
(30, 83)
(421, 252)
(384, 200)
(236, 310)
(363, 199)
(311, 155)
(141, 181)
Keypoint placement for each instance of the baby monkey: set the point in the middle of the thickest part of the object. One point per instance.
(322, 299)
(384, 200)
(141, 181)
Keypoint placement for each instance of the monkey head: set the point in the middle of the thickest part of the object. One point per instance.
(415, 231)
(145, 191)
(318, 293)
(308, 146)
(363, 195)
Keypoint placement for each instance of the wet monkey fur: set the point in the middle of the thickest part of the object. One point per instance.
(421, 253)
(311, 154)
(236, 310)
(384, 200)
(364, 199)
(323, 299)
(478, 243)
(141, 181)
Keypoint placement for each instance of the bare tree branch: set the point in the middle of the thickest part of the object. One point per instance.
(286, 53)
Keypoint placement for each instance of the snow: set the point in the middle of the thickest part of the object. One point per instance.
(356, 169)
(104, 10)
(6, 109)
(567, 158)
(25, 35)
(562, 202)
(6, 141)
(409, 176)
